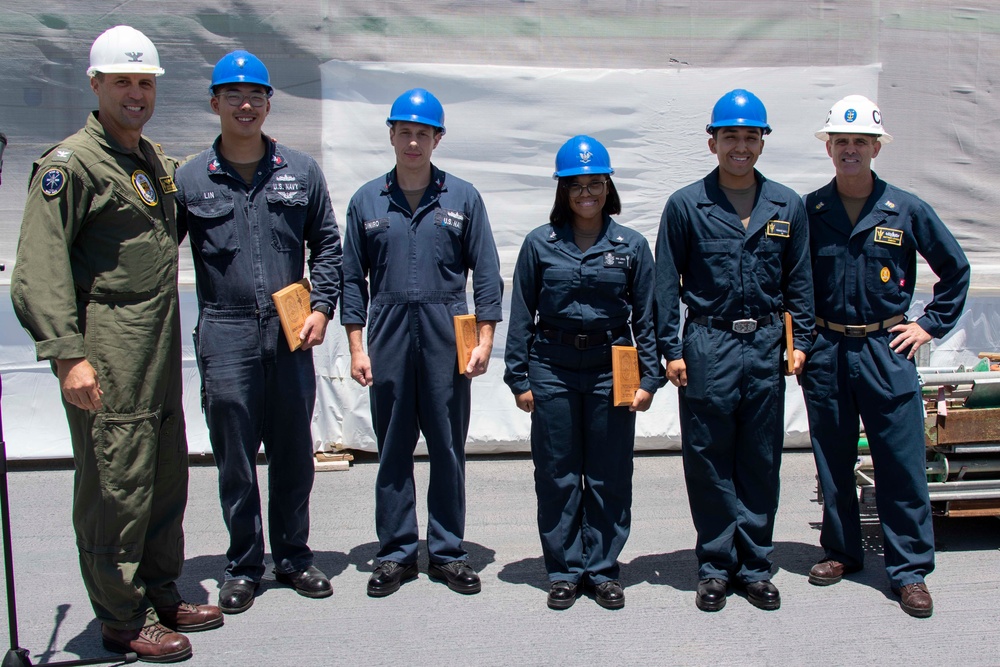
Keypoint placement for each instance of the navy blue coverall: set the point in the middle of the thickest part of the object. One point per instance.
(405, 274)
(865, 275)
(580, 443)
(248, 242)
(732, 409)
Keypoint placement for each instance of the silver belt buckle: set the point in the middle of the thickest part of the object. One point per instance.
(855, 330)
(744, 326)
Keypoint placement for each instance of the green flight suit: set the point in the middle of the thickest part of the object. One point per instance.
(96, 277)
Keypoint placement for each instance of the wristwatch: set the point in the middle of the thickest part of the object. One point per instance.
(325, 309)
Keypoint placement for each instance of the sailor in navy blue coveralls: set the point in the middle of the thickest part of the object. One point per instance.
(861, 361)
(249, 238)
(573, 298)
(736, 278)
(405, 273)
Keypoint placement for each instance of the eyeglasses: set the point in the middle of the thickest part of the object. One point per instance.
(235, 99)
(595, 188)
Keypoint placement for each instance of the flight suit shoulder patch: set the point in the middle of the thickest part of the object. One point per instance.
(52, 181)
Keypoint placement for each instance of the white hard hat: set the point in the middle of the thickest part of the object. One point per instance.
(123, 50)
(855, 114)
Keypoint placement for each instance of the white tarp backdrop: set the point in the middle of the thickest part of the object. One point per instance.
(516, 80)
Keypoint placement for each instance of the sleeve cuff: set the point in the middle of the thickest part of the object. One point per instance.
(66, 347)
(489, 313)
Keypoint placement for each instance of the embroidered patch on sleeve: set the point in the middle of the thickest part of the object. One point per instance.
(53, 181)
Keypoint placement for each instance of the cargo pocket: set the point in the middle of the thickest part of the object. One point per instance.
(126, 451)
(820, 372)
(694, 344)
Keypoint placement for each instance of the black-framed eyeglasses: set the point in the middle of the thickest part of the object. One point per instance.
(234, 99)
(595, 188)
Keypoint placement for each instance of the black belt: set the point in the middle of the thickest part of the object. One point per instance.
(583, 341)
(860, 330)
(737, 326)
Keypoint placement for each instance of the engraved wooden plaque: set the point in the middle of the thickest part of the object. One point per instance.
(466, 339)
(625, 373)
(789, 344)
(292, 304)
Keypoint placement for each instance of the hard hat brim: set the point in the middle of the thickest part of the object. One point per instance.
(131, 68)
(422, 120)
(248, 80)
(824, 134)
(579, 171)
(738, 122)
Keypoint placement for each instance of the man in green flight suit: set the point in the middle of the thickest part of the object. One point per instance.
(95, 285)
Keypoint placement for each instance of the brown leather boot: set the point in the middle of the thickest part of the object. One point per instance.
(187, 617)
(153, 643)
(915, 600)
(828, 572)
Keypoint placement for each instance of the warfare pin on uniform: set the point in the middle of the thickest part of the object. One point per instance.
(167, 185)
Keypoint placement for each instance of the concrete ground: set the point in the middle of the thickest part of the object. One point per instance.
(855, 622)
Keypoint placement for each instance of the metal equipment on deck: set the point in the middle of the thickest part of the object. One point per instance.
(962, 430)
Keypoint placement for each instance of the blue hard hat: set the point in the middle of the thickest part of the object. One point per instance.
(739, 108)
(240, 67)
(582, 155)
(417, 106)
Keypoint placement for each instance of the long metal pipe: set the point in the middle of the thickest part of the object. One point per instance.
(943, 465)
(964, 494)
(939, 379)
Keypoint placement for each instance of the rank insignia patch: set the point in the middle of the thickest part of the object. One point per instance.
(144, 187)
(53, 181)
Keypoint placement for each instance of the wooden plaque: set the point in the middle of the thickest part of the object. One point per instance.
(466, 339)
(292, 304)
(789, 344)
(625, 373)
